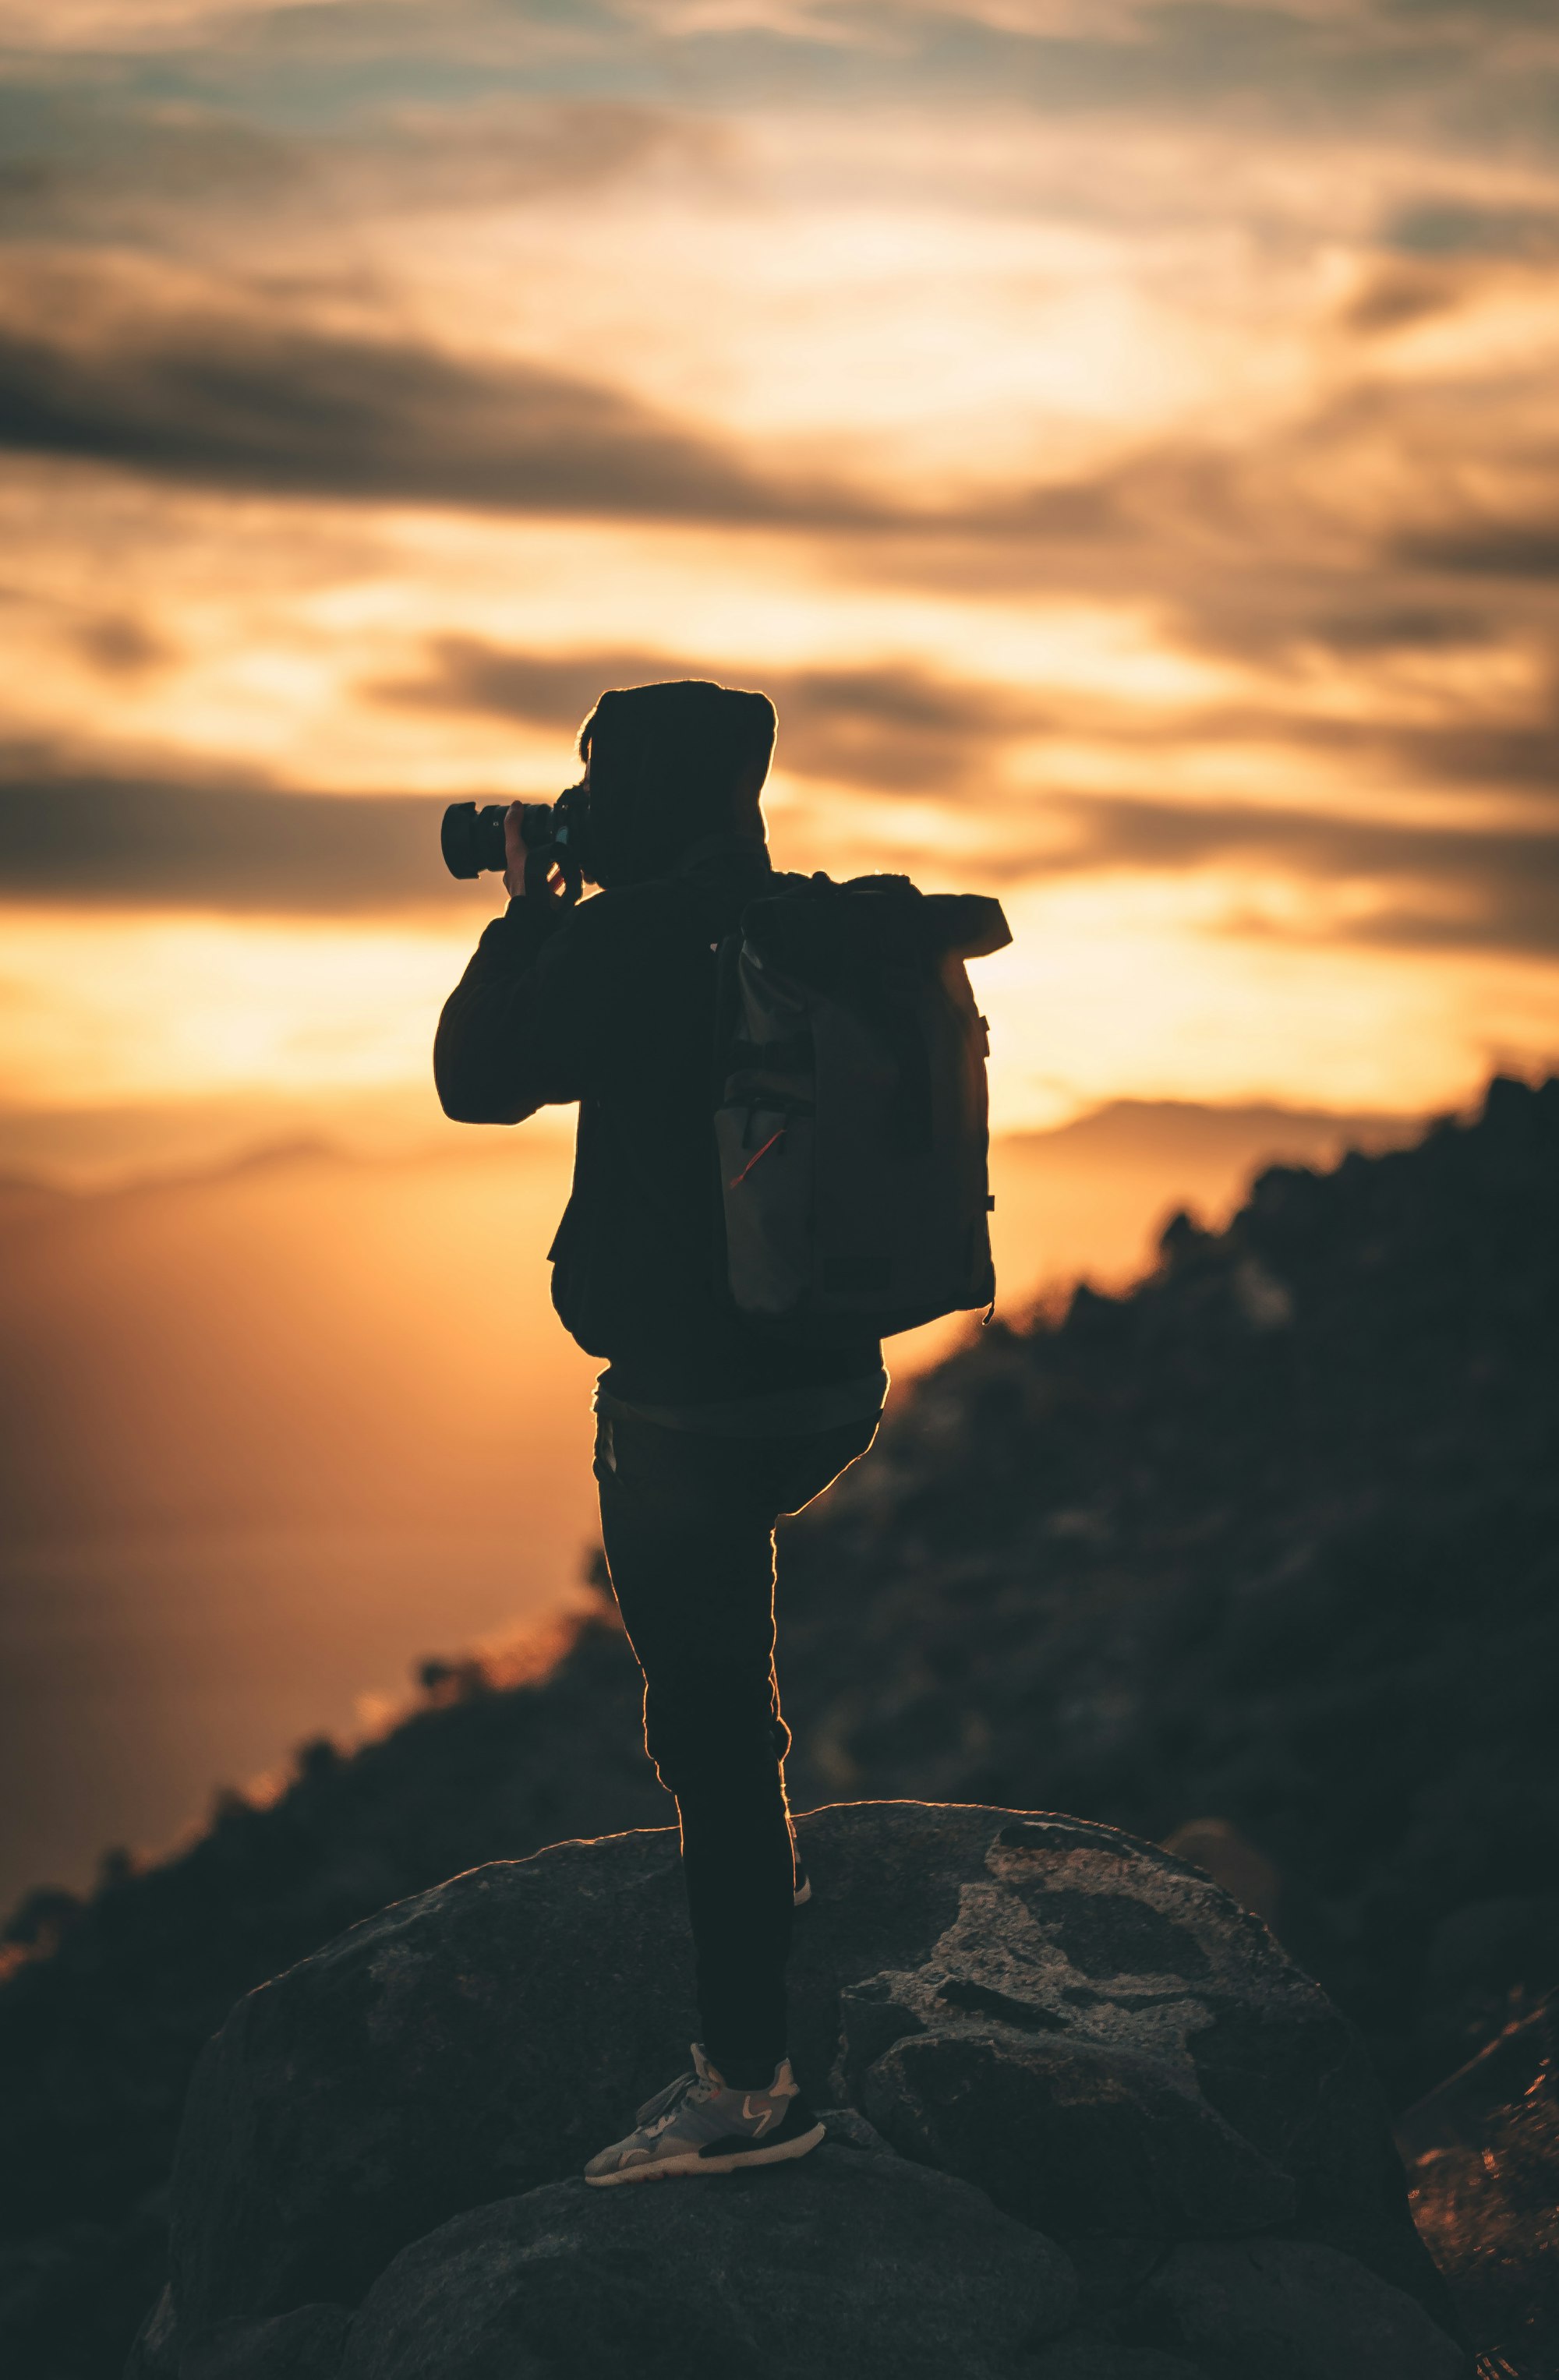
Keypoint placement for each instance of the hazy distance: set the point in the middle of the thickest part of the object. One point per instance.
(274, 1432)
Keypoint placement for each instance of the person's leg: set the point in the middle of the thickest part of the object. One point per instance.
(688, 1524)
(690, 1552)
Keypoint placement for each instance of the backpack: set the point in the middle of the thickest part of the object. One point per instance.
(851, 1117)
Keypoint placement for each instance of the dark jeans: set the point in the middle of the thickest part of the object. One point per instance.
(688, 1520)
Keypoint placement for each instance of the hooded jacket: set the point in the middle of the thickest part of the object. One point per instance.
(612, 1004)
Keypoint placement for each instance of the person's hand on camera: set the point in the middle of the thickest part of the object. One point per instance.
(517, 851)
(514, 851)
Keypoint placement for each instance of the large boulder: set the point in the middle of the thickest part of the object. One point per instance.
(1085, 2356)
(1107, 2044)
(1068, 2136)
(850, 2267)
(1290, 2309)
(1482, 2154)
(1086, 2036)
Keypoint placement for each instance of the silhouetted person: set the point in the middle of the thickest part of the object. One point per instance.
(706, 1431)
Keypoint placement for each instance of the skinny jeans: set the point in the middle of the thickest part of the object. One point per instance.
(687, 1522)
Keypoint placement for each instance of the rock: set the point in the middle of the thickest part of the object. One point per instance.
(848, 2129)
(841, 2267)
(1112, 2270)
(988, 1990)
(1106, 2043)
(1483, 2155)
(1074, 2138)
(154, 2353)
(1516, 2065)
(306, 2344)
(1289, 2310)
(1231, 1860)
(1490, 1964)
(72, 2294)
(488, 2037)
(1085, 2358)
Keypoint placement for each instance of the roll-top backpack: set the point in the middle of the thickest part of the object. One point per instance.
(851, 1118)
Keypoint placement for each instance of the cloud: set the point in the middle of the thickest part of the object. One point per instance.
(1485, 548)
(165, 371)
(132, 843)
(109, 24)
(1277, 62)
(1422, 24)
(76, 165)
(129, 171)
(135, 843)
(100, 365)
(1396, 295)
(1400, 627)
(888, 727)
(897, 728)
(1439, 888)
(120, 646)
(1456, 226)
(553, 691)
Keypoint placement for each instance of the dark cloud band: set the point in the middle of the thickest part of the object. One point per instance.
(1442, 887)
(255, 401)
(898, 728)
(882, 727)
(134, 844)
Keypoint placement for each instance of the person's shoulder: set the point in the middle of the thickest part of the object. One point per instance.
(615, 935)
(629, 912)
(609, 915)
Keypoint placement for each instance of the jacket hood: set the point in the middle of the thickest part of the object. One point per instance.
(664, 761)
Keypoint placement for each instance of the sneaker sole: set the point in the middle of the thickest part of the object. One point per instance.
(671, 2168)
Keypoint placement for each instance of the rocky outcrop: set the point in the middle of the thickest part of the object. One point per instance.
(1288, 2310)
(1088, 2123)
(1108, 2047)
(855, 2267)
(1483, 2157)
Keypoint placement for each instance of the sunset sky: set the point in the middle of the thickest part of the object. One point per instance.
(1121, 436)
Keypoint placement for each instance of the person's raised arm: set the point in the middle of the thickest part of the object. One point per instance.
(517, 1031)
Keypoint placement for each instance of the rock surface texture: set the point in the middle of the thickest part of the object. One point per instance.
(1483, 2157)
(1086, 2122)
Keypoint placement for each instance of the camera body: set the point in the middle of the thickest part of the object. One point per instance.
(557, 837)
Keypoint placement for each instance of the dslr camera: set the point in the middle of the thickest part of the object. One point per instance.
(557, 836)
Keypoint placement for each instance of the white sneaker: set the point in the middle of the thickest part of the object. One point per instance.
(699, 2124)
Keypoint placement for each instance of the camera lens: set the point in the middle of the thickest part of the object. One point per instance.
(473, 839)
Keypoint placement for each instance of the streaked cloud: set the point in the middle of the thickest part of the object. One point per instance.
(894, 725)
(183, 177)
(108, 370)
(226, 851)
(886, 725)
(250, 851)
